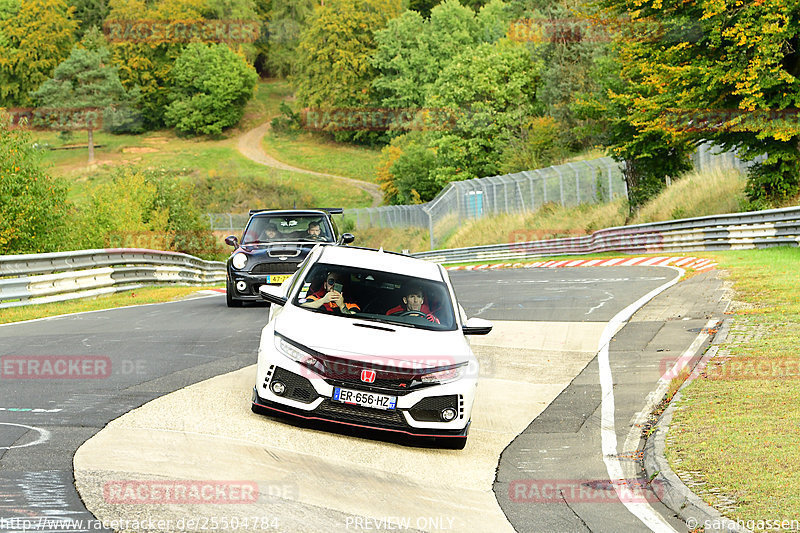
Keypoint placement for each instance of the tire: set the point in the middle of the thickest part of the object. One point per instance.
(229, 297)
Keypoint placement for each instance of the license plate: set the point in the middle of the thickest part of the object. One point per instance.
(364, 399)
(278, 278)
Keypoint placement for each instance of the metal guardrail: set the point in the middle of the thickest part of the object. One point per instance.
(737, 231)
(43, 278)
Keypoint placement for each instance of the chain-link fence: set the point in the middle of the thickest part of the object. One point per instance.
(587, 181)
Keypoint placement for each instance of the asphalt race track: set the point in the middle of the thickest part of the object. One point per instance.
(540, 363)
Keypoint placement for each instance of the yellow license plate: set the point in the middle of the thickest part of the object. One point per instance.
(278, 278)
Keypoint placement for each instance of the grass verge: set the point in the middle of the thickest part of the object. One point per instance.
(136, 297)
(313, 152)
(738, 426)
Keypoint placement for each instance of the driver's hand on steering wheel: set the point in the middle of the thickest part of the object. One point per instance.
(432, 318)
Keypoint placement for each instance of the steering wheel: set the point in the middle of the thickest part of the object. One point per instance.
(413, 313)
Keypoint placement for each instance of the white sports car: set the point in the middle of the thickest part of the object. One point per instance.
(369, 339)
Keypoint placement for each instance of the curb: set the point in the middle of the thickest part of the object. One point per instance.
(687, 505)
(693, 263)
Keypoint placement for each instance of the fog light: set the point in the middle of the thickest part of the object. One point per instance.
(449, 414)
(278, 388)
(241, 286)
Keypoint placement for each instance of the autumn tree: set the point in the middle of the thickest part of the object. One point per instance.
(35, 37)
(334, 67)
(720, 70)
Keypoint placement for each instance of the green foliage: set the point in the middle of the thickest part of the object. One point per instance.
(287, 20)
(775, 179)
(334, 67)
(33, 207)
(33, 40)
(147, 209)
(145, 66)
(83, 80)
(717, 55)
(534, 145)
(412, 50)
(414, 172)
(89, 14)
(209, 87)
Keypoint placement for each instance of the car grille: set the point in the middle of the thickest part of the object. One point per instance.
(297, 387)
(429, 409)
(345, 372)
(360, 415)
(283, 267)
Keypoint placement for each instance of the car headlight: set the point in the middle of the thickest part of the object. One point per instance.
(446, 375)
(239, 261)
(295, 354)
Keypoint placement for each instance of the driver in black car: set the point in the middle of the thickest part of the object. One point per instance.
(414, 305)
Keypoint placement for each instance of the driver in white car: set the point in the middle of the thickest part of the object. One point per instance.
(414, 304)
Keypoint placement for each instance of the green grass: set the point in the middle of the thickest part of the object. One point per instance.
(739, 426)
(201, 159)
(136, 297)
(265, 103)
(314, 152)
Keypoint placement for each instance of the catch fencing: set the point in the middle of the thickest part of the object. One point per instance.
(738, 231)
(586, 181)
(55, 277)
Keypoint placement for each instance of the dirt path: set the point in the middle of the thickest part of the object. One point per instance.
(250, 147)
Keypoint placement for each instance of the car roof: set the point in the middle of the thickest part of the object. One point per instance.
(291, 212)
(382, 261)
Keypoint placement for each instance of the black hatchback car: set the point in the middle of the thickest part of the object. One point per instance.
(273, 245)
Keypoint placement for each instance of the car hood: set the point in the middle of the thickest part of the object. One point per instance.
(360, 340)
(288, 250)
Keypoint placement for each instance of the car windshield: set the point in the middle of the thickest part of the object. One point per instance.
(267, 229)
(378, 296)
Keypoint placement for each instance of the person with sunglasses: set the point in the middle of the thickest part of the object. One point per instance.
(330, 297)
(414, 305)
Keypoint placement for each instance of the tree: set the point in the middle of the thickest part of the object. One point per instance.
(83, 81)
(38, 36)
(286, 21)
(413, 51)
(721, 70)
(145, 64)
(334, 68)
(89, 14)
(33, 206)
(209, 87)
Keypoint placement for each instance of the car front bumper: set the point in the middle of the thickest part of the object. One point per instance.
(328, 412)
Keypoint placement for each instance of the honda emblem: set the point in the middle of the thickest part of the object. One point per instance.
(368, 376)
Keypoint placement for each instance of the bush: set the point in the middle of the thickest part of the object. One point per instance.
(146, 209)
(535, 146)
(33, 206)
(210, 86)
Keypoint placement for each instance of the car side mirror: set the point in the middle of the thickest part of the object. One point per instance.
(231, 240)
(347, 238)
(476, 326)
(272, 294)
